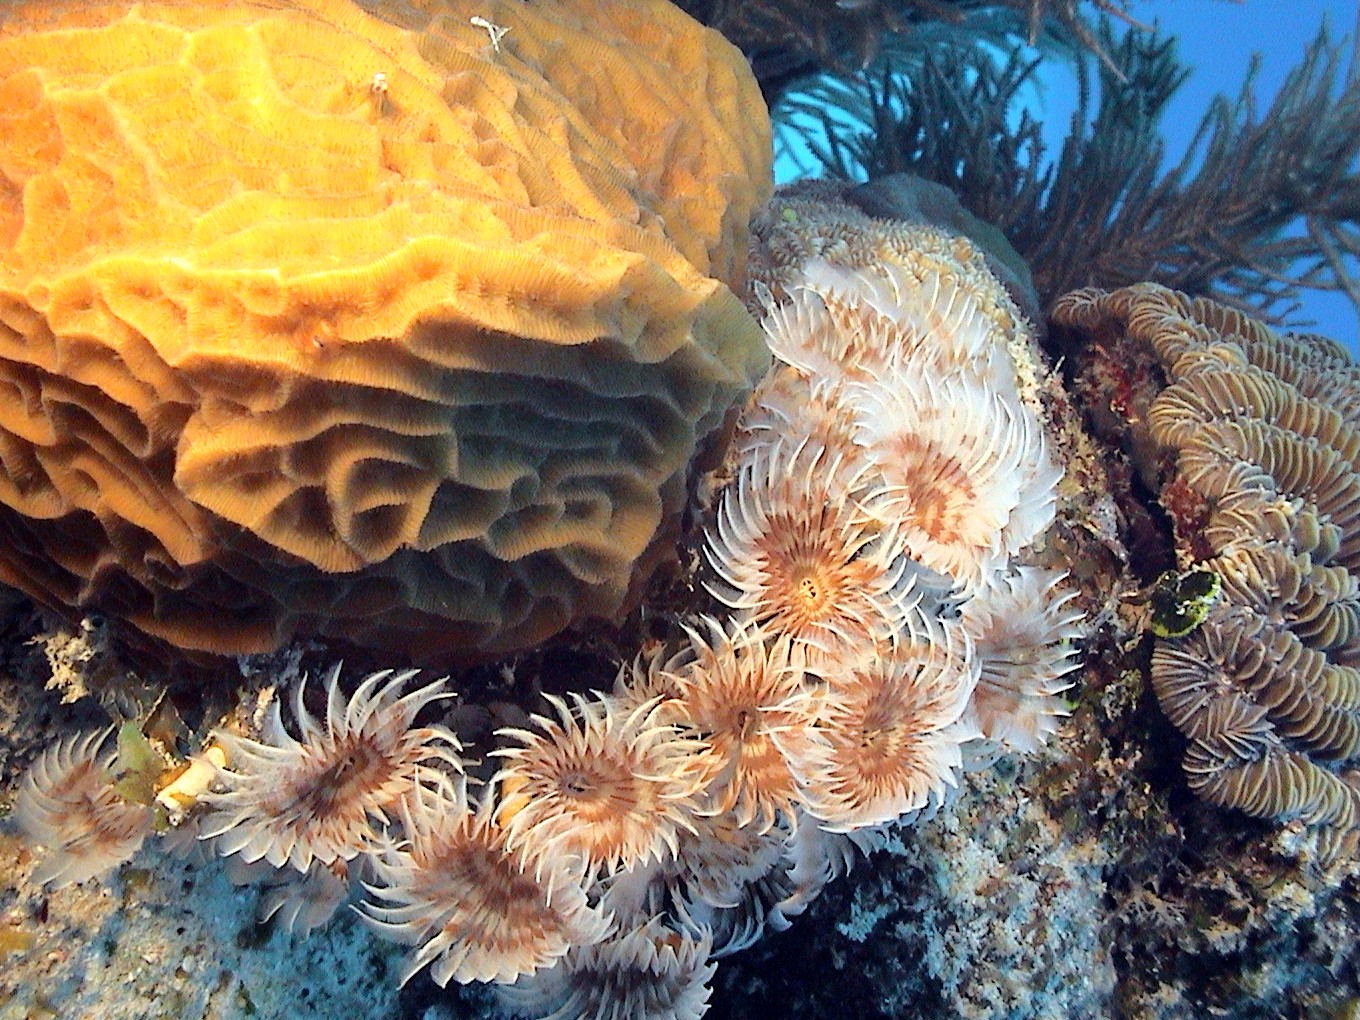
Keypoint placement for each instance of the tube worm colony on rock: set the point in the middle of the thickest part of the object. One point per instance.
(439, 379)
(632, 837)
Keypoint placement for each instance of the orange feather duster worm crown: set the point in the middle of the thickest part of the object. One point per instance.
(371, 324)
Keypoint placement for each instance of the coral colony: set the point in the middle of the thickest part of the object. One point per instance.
(431, 381)
(880, 633)
(1265, 498)
(457, 375)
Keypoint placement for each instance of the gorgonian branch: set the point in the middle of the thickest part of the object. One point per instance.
(1261, 204)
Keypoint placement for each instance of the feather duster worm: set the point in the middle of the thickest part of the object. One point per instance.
(317, 797)
(610, 784)
(307, 901)
(910, 335)
(1022, 627)
(648, 973)
(69, 803)
(814, 857)
(475, 910)
(738, 691)
(807, 566)
(629, 839)
(720, 858)
(887, 741)
(787, 408)
(842, 325)
(956, 459)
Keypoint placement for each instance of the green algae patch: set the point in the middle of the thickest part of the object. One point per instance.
(1180, 602)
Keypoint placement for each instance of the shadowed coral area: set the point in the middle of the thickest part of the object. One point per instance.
(315, 322)
(1254, 445)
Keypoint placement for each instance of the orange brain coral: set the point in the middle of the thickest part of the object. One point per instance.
(316, 322)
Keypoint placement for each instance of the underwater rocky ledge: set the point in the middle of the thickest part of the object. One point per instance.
(1083, 881)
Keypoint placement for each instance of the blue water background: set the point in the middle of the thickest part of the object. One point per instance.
(1218, 38)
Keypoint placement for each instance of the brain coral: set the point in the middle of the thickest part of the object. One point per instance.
(1255, 444)
(316, 322)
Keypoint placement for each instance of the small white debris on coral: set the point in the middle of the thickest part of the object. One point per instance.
(181, 793)
(496, 32)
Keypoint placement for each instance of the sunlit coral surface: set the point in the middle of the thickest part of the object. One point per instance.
(368, 323)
